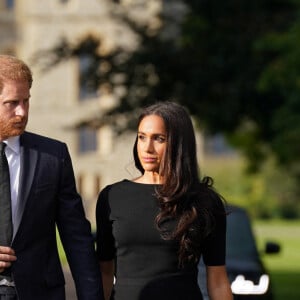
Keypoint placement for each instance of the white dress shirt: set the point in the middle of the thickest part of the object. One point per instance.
(12, 152)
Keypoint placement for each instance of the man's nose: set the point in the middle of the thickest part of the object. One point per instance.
(21, 109)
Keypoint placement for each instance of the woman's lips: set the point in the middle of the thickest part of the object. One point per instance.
(149, 159)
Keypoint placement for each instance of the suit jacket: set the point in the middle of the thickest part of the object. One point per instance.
(48, 198)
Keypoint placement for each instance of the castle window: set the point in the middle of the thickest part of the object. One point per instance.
(88, 85)
(87, 139)
(10, 4)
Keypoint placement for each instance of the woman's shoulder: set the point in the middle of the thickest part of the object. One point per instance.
(205, 196)
(127, 185)
(116, 188)
(115, 185)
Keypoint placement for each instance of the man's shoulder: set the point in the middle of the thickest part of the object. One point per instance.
(35, 138)
(44, 143)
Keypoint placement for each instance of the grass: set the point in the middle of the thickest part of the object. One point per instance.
(62, 254)
(285, 266)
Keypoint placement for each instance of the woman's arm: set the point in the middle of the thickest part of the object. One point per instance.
(107, 270)
(218, 285)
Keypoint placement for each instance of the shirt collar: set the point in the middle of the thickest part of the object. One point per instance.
(14, 143)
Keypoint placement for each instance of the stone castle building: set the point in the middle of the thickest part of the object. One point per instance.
(58, 101)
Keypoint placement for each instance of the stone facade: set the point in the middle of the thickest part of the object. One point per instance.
(7, 28)
(29, 26)
(56, 107)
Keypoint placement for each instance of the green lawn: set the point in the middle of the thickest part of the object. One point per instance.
(285, 266)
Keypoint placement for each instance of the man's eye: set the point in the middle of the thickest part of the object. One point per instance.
(11, 103)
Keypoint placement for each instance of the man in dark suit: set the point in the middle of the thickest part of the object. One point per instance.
(43, 196)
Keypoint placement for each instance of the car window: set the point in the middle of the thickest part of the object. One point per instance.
(240, 241)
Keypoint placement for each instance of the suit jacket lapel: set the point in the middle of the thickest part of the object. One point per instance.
(28, 161)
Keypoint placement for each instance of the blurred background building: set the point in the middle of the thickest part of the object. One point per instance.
(60, 101)
(7, 27)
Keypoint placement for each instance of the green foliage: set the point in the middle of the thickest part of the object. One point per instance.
(221, 67)
(235, 66)
(281, 75)
(231, 58)
(270, 193)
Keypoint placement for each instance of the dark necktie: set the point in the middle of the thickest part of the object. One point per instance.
(6, 229)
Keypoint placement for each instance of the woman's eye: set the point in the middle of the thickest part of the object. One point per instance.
(160, 139)
(141, 137)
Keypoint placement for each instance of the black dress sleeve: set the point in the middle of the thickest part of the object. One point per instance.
(105, 242)
(215, 244)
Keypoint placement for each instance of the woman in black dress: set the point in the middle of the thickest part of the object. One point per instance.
(152, 231)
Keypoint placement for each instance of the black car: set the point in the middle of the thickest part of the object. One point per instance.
(248, 277)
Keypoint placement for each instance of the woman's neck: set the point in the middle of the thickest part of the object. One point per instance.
(150, 178)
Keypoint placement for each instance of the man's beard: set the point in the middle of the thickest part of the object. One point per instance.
(13, 127)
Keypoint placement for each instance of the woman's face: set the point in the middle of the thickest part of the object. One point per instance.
(151, 142)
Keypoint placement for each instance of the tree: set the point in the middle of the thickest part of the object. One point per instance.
(234, 65)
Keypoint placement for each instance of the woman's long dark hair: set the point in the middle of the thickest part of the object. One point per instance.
(179, 195)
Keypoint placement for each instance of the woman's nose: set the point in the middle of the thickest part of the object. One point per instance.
(149, 146)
